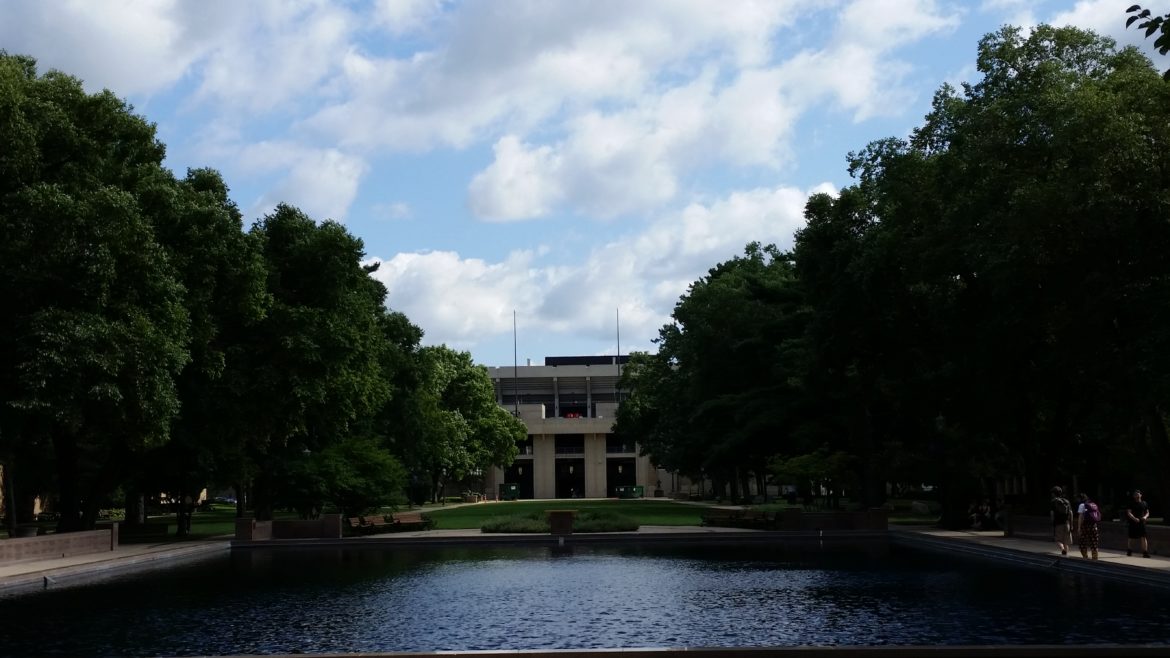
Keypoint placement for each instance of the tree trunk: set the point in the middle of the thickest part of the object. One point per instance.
(135, 508)
(1159, 442)
(10, 502)
(241, 499)
(70, 509)
(262, 498)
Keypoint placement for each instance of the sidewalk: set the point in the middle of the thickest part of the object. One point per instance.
(43, 574)
(992, 544)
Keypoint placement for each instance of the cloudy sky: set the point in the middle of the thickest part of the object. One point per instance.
(569, 161)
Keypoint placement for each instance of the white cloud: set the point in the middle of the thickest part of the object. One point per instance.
(396, 210)
(520, 184)
(403, 16)
(322, 182)
(508, 67)
(631, 160)
(130, 47)
(1103, 17)
(462, 301)
(279, 53)
(856, 69)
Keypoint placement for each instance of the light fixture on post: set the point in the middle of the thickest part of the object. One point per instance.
(520, 470)
(570, 470)
(619, 469)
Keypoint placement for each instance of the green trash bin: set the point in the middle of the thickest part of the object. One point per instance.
(638, 491)
(509, 491)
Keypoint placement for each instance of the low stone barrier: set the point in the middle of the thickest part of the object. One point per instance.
(795, 519)
(327, 526)
(1113, 533)
(46, 547)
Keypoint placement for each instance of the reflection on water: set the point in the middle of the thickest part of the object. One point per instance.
(348, 600)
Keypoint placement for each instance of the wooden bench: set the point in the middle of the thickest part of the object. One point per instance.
(375, 522)
(411, 521)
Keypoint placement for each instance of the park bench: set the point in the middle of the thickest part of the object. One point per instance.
(375, 522)
(411, 521)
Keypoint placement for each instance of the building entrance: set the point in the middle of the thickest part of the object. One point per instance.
(619, 471)
(520, 472)
(570, 478)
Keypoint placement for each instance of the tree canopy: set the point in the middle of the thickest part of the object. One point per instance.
(986, 301)
(152, 343)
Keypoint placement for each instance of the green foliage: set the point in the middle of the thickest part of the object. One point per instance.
(1152, 25)
(592, 520)
(724, 384)
(529, 523)
(644, 512)
(988, 300)
(451, 426)
(97, 330)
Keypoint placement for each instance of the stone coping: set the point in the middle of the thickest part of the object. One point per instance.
(1150, 572)
(988, 651)
(642, 537)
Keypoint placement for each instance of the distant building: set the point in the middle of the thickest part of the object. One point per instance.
(569, 406)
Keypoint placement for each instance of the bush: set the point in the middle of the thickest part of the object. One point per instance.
(584, 521)
(603, 521)
(534, 522)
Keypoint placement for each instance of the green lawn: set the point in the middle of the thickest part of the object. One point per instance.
(645, 512)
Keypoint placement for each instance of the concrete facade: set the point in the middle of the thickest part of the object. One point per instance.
(569, 407)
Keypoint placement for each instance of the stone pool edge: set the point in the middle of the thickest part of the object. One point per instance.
(1068, 564)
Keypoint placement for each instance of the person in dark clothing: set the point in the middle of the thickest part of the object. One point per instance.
(1061, 515)
(1136, 514)
(1088, 515)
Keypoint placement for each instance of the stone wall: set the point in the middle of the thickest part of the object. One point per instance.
(327, 526)
(47, 547)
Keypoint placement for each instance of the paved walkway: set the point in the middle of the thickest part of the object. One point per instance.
(42, 574)
(132, 557)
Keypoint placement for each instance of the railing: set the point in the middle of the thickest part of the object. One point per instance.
(619, 449)
(570, 450)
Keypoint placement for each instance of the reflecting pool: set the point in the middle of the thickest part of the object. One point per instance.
(349, 600)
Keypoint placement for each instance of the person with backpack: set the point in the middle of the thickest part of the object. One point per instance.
(1088, 516)
(1060, 511)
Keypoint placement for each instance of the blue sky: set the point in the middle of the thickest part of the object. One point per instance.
(569, 161)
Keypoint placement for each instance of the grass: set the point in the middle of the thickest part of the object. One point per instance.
(642, 512)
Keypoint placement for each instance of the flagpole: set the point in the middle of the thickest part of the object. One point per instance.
(515, 369)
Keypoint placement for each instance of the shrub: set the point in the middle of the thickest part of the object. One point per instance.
(584, 521)
(603, 521)
(534, 522)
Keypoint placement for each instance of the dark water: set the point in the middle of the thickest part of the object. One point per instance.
(527, 598)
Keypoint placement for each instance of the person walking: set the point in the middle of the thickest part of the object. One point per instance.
(1136, 514)
(1088, 516)
(1060, 512)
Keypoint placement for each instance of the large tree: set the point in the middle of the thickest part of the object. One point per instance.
(452, 426)
(95, 329)
(226, 297)
(312, 367)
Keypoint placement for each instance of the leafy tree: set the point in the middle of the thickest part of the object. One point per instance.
(1152, 25)
(312, 367)
(96, 330)
(353, 475)
(721, 396)
(453, 427)
(226, 297)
